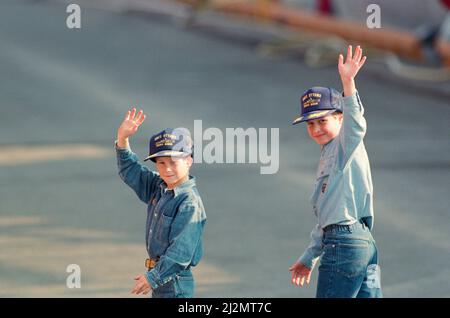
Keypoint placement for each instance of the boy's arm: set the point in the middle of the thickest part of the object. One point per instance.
(184, 239)
(303, 267)
(314, 250)
(135, 175)
(354, 125)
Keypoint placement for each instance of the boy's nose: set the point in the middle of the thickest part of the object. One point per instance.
(316, 129)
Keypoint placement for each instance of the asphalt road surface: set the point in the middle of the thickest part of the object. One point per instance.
(64, 92)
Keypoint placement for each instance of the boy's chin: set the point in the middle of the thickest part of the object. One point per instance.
(323, 142)
(170, 180)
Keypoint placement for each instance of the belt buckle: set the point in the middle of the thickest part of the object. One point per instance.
(150, 263)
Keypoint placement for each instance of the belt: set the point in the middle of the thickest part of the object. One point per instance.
(151, 263)
(330, 227)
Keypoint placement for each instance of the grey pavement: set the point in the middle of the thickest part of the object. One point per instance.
(64, 92)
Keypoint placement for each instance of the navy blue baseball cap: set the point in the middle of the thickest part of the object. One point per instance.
(170, 142)
(318, 102)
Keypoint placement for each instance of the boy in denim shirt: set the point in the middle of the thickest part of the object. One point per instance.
(343, 197)
(175, 213)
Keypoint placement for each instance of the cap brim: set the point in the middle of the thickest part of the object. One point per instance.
(167, 153)
(313, 115)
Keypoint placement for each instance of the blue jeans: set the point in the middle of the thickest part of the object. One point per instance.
(182, 286)
(349, 265)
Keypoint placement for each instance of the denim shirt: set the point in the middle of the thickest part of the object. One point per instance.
(343, 192)
(175, 218)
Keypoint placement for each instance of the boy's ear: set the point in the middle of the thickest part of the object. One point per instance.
(190, 161)
(340, 116)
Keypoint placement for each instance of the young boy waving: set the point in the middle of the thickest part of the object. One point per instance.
(343, 196)
(175, 212)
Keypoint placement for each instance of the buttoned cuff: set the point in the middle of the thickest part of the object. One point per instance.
(153, 278)
(308, 260)
(122, 152)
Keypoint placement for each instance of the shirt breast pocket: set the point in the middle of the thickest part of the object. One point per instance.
(323, 174)
(325, 167)
(163, 231)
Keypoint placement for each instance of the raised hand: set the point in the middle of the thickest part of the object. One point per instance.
(130, 124)
(352, 65)
(350, 68)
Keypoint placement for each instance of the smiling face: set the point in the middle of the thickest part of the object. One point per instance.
(174, 170)
(325, 129)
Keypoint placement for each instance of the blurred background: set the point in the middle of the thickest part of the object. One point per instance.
(237, 63)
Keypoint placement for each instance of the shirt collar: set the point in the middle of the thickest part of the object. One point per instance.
(184, 187)
(326, 146)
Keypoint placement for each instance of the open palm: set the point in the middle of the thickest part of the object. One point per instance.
(131, 123)
(353, 63)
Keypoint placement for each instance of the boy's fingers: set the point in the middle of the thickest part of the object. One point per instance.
(341, 59)
(349, 53)
(133, 112)
(127, 115)
(362, 61)
(138, 116)
(141, 119)
(138, 289)
(357, 55)
(143, 288)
